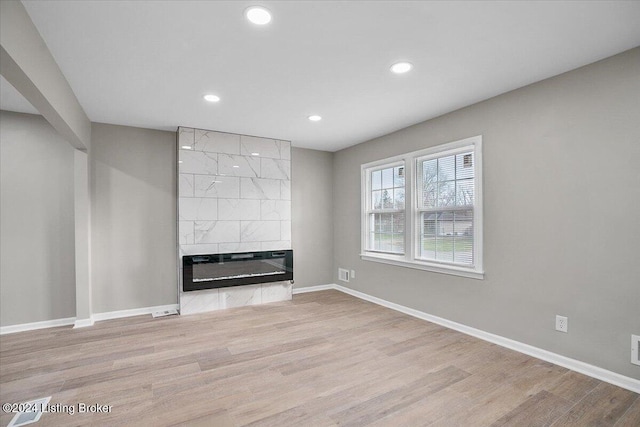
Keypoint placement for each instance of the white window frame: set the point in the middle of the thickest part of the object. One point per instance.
(412, 213)
(386, 164)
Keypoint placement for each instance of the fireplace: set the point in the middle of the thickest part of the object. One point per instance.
(235, 269)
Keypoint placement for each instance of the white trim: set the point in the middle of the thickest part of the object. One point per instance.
(83, 323)
(133, 312)
(313, 288)
(410, 257)
(453, 270)
(548, 356)
(11, 329)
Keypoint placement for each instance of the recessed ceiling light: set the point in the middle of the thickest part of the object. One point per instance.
(255, 154)
(401, 67)
(186, 147)
(211, 97)
(258, 15)
(236, 166)
(179, 161)
(315, 118)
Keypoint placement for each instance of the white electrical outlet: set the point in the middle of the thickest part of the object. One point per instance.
(635, 349)
(353, 274)
(562, 323)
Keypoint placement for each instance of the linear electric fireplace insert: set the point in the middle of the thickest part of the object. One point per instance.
(235, 269)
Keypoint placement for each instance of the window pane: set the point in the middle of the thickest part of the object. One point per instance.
(398, 195)
(398, 176)
(430, 171)
(464, 192)
(444, 248)
(398, 223)
(376, 199)
(446, 193)
(463, 240)
(376, 180)
(386, 223)
(387, 199)
(398, 243)
(429, 195)
(387, 178)
(428, 235)
(446, 168)
(385, 242)
(377, 223)
(464, 166)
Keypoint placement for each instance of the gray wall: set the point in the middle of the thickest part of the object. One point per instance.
(312, 216)
(561, 228)
(133, 189)
(37, 260)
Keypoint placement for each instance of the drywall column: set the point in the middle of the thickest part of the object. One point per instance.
(81, 203)
(27, 63)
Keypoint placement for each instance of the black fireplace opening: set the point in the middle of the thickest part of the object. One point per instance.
(235, 269)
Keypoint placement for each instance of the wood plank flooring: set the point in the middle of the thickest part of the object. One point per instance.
(323, 359)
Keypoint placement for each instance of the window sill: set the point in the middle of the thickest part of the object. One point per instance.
(436, 268)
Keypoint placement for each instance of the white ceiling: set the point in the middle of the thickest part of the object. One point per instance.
(148, 63)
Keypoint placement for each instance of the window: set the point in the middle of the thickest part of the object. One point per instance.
(424, 209)
(386, 214)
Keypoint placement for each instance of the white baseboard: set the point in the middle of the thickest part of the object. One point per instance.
(83, 323)
(36, 325)
(132, 312)
(313, 288)
(566, 362)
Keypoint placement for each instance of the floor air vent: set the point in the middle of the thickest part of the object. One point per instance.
(170, 312)
(30, 412)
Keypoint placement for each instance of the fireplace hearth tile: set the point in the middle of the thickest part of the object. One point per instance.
(185, 136)
(240, 296)
(185, 232)
(198, 209)
(274, 292)
(216, 231)
(278, 245)
(199, 302)
(275, 210)
(275, 169)
(258, 188)
(216, 186)
(185, 185)
(264, 146)
(217, 142)
(285, 150)
(259, 231)
(198, 162)
(238, 247)
(285, 190)
(202, 248)
(238, 209)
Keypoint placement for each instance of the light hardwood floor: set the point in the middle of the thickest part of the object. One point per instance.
(323, 359)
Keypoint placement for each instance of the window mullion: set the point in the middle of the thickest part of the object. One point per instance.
(410, 200)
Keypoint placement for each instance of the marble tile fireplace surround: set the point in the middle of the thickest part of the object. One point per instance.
(234, 195)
